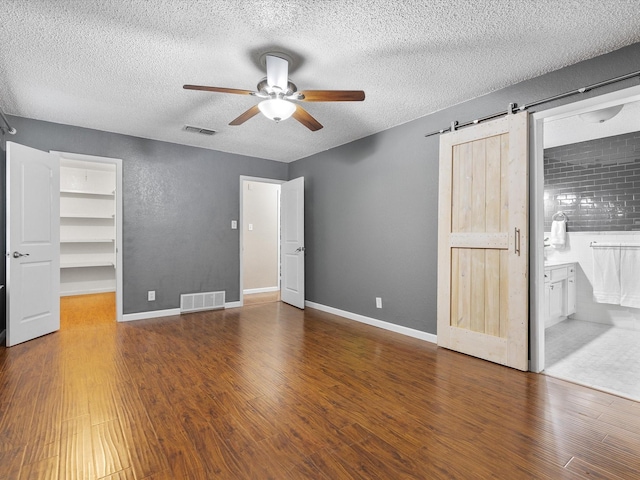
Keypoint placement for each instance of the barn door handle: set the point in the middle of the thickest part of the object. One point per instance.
(516, 241)
(18, 254)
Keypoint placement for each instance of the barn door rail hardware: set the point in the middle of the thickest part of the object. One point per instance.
(514, 108)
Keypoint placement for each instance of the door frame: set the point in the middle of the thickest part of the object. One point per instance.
(536, 209)
(245, 178)
(119, 246)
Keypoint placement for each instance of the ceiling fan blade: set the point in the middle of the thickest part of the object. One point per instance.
(332, 95)
(253, 111)
(218, 89)
(277, 72)
(306, 119)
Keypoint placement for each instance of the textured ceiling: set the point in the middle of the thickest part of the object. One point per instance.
(119, 65)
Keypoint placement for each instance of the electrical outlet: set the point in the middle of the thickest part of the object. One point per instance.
(378, 302)
(234, 224)
(151, 295)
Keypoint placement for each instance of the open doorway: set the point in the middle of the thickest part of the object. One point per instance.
(259, 240)
(90, 239)
(583, 179)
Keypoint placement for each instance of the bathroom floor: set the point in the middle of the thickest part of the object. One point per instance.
(595, 355)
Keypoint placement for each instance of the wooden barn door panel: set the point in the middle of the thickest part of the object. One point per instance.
(482, 241)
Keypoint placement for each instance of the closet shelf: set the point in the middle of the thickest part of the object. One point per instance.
(87, 192)
(87, 240)
(86, 215)
(85, 264)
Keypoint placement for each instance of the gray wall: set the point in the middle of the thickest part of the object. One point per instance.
(371, 206)
(178, 205)
(3, 232)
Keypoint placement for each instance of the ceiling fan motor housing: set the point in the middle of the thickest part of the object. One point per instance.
(268, 91)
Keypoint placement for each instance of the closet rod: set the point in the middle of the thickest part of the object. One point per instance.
(513, 107)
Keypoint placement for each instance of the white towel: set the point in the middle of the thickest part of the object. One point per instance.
(558, 233)
(630, 277)
(606, 275)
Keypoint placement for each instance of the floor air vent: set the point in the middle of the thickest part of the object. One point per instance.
(196, 302)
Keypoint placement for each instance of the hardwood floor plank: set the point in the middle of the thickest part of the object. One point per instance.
(76, 451)
(332, 464)
(109, 448)
(126, 474)
(629, 443)
(179, 451)
(46, 422)
(145, 451)
(75, 396)
(269, 457)
(102, 407)
(586, 470)
(46, 469)
(270, 391)
(11, 463)
(15, 423)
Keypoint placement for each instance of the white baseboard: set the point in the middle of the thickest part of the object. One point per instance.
(3, 336)
(71, 293)
(410, 332)
(249, 291)
(128, 317)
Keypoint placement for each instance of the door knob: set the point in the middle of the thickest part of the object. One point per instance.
(300, 249)
(18, 254)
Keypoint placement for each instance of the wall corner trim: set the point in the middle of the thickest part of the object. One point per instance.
(128, 317)
(237, 304)
(410, 332)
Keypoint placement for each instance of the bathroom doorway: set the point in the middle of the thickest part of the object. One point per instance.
(585, 173)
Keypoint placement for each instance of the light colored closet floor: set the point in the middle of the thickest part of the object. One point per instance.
(595, 355)
(79, 310)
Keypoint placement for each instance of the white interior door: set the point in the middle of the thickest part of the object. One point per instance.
(33, 243)
(292, 242)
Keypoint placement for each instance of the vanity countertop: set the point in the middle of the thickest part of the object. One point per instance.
(552, 263)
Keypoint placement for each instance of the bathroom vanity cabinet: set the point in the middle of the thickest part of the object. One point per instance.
(559, 292)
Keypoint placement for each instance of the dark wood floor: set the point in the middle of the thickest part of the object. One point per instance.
(269, 391)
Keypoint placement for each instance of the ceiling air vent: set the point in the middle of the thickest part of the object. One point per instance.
(203, 131)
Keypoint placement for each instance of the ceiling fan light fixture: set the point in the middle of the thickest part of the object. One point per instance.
(276, 109)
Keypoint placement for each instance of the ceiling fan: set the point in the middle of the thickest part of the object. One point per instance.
(278, 95)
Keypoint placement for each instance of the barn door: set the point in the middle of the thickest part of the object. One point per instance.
(482, 241)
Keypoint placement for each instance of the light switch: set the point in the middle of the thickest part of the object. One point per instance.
(250, 226)
(234, 224)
